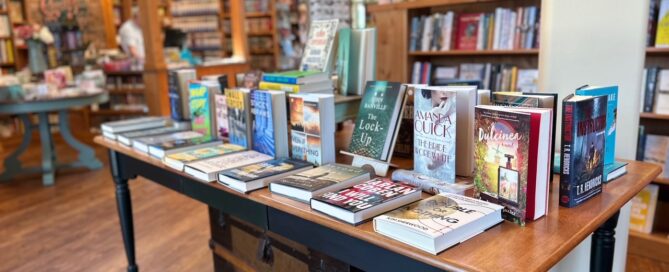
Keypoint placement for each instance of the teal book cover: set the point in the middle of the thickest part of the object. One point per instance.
(200, 109)
(376, 119)
(263, 128)
(611, 113)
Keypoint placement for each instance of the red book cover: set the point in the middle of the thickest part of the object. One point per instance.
(367, 194)
(535, 126)
(468, 25)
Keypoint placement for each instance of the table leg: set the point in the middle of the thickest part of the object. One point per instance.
(86, 154)
(124, 206)
(12, 162)
(47, 149)
(603, 245)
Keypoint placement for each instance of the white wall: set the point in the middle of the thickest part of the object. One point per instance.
(596, 42)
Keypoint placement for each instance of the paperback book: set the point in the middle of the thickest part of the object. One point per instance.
(327, 178)
(208, 169)
(583, 148)
(312, 128)
(259, 175)
(239, 117)
(127, 138)
(142, 144)
(379, 115)
(270, 135)
(201, 108)
(179, 160)
(365, 200)
(439, 222)
(513, 157)
(221, 110)
(110, 129)
(177, 85)
(160, 150)
(434, 132)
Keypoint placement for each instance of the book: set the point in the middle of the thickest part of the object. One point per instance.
(326, 178)
(313, 87)
(582, 155)
(270, 125)
(435, 132)
(531, 100)
(651, 84)
(468, 28)
(362, 201)
(378, 118)
(662, 36)
(611, 114)
(438, 222)
(208, 169)
(404, 142)
(259, 175)
(528, 80)
(160, 150)
(655, 149)
(127, 138)
(177, 85)
(142, 144)
(295, 77)
(317, 54)
(643, 209)
(312, 128)
(239, 117)
(662, 92)
(343, 63)
(180, 159)
(201, 105)
(611, 171)
(110, 129)
(466, 97)
(512, 153)
(222, 130)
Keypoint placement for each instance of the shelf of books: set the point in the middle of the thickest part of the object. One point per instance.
(261, 31)
(492, 43)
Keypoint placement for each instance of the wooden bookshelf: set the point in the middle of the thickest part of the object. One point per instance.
(657, 51)
(476, 52)
(650, 115)
(652, 246)
(258, 57)
(661, 180)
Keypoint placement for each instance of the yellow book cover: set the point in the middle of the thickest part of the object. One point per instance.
(491, 31)
(264, 85)
(10, 52)
(662, 35)
(643, 209)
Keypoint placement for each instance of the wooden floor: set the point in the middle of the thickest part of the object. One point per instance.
(73, 226)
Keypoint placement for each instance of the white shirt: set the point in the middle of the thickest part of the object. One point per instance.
(131, 35)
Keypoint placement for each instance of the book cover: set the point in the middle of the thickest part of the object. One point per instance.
(662, 36)
(178, 91)
(204, 153)
(323, 176)
(220, 163)
(644, 204)
(501, 154)
(582, 156)
(180, 143)
(611, 113)
(434, 132)
(650, 85)
(404, 143)
(377, 117)
(238, 117)
(200, 108)
(263, 127)
(157, 139)
(468, 27)
(295, 77)
(133, 124)
(305, 130)
(366, 194)
(127, 137)
(221, 109)
(318, 49)
(655, 149)
(264, 169)
(662, 92)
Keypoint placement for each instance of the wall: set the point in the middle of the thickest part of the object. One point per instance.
(597, 42)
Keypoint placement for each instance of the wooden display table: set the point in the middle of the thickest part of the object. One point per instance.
(507, 247)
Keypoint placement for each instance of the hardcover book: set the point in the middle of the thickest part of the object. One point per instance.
(468, 28)
(259, 175)
(365, 200)
(331, 177)
(378, 117)
(165, 148)
(315, 87)
(512, 160)
(221, 110)
(404, 142)
(434, 132)
(644, 204)
(178, 160)
(142, 144)
(296, 77)
(201, 104)
(177, 84)
(207, 169)
(583, 141)
(611, 114)
(439, 222)
(132, 124)
(318, 49)
(270, 135)
(312, 128)
(126, 138)
(239, 117)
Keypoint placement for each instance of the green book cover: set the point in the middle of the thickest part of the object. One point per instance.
(377, 118)
(200, 110)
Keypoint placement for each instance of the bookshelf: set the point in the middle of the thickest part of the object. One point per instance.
(260, 25)
(396, 59)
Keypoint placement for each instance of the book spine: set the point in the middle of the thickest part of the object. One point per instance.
(565, 154)
(649, 97)
(174, 94)
(280, 79)
(263, 85)
(641, 144)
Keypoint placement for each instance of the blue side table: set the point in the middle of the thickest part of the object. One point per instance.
(23, 109)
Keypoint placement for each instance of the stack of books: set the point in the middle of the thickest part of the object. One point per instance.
(298, 82)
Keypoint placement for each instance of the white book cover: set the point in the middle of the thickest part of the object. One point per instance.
(662, 97)
(480, 32)
(427, 34)
(528, 80)
(312, 128)
(133, 124)
(152, 140)
(318, 49)
(225, 162)
(498, 27)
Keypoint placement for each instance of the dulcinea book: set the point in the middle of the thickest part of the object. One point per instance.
(583, 148)
(434, 132)
(178, 160)
(312, 128)
(365, 199)
(439, 222)
(239, 115)
(379, 114)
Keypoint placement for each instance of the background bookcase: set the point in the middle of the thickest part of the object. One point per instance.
(393, 22)
(261, 32)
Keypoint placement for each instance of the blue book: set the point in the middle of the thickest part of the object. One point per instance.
(611, 111)
(270, 135)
